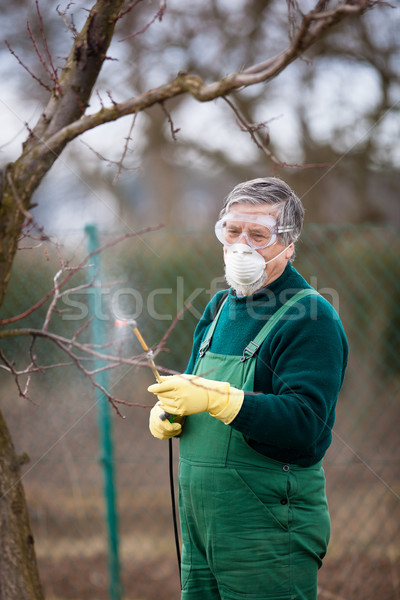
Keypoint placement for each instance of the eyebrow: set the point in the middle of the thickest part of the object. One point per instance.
(253, 226)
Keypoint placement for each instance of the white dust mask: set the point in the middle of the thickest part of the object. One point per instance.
(243, 265)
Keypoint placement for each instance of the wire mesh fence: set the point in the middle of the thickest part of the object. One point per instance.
(153, 278)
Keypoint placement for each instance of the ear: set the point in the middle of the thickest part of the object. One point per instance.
(289, 252)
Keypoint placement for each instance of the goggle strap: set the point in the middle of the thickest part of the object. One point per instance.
(285, 229)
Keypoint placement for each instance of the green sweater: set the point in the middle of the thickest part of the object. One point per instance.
(299, 369)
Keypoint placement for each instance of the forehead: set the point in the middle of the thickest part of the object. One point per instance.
(252, 209)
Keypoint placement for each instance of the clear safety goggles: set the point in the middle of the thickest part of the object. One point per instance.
(260, 231)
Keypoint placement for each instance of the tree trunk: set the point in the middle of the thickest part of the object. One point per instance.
(11, 220)
(19, 577)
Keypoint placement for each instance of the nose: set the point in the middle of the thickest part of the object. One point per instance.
(243, 239)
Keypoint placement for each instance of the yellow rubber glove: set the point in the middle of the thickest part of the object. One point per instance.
(190, 394)
(163, 429)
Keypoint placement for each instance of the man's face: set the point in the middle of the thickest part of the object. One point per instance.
(275, 268)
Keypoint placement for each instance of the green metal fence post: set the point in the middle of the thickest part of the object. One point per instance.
(104, 422)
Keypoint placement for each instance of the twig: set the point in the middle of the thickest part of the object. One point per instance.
(70, 26)
(35, 369)
(52, 71)
(18, 200)
(252, 129)
(22, 393)
(111, 98)
(125, 150)
(81, 329)
(91, 378)
(159, 15)
(171, 124)
(166, 335)
(109, 161)
(54, 300)
(130, 6)
(100, 98)
(30, 223)
(40, 82)
(48, 67)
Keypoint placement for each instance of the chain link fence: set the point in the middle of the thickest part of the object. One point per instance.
(153, 278)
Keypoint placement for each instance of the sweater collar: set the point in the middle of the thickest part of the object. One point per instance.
(275, 287)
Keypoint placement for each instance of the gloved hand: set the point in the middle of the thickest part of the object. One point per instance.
(163, 430)
(190, 394)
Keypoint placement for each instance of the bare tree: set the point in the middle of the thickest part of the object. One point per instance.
(64, 118)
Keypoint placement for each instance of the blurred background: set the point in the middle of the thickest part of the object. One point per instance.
(339, 105)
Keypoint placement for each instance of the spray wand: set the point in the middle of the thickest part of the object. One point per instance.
(133, 325)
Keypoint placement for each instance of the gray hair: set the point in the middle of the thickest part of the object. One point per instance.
(274, 192)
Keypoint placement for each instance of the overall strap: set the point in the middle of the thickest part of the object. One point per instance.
(207, 340)
(255, 344)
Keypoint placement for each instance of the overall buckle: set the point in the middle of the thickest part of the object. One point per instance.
(249, 351)
(204, 347)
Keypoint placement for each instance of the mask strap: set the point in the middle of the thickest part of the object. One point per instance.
(278, 255)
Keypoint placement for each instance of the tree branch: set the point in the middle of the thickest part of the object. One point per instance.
(263, 145)
(67, 346)
(313, 25)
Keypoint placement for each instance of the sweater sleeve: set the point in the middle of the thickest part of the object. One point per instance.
(299, 373)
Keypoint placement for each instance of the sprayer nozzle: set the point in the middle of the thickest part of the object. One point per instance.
(124, 323)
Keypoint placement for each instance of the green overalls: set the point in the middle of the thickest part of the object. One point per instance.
(252, 527)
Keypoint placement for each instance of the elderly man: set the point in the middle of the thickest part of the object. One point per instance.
(259, 397)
